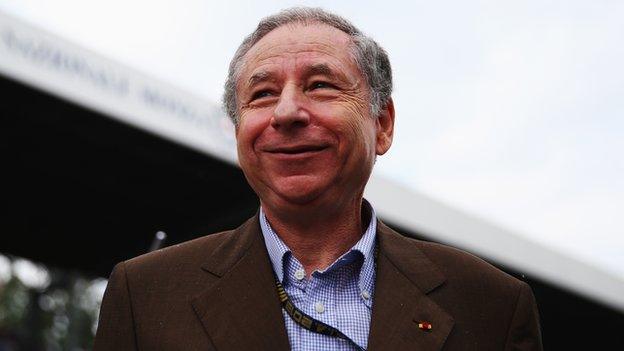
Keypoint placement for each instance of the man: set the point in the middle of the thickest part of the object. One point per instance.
(314, 269)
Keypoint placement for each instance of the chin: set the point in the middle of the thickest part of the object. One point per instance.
(298, 200)
(300, 197)
(300, 190)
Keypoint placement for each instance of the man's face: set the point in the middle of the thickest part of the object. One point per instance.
(305, 134)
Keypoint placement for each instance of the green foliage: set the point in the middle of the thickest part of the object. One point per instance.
(56, 311)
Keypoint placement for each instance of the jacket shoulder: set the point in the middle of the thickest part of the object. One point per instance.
(429, 258)
(192, 252)
(489, 305)
(188, 261)
(464, 266)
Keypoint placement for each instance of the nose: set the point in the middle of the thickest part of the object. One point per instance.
(290, 110)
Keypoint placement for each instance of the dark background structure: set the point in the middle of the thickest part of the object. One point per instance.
(81, 191)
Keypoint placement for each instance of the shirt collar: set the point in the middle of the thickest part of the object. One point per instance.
(275, 246)
(278, 250)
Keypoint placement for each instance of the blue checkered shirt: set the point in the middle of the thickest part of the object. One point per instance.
(340, 295)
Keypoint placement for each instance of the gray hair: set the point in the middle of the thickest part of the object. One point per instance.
(370, 57)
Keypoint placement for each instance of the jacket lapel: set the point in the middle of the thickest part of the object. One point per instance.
(404, 278)
(241, 310)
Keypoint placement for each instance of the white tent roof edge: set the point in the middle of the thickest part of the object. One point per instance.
(434, 220)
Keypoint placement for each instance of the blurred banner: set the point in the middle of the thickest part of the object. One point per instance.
(43, 60)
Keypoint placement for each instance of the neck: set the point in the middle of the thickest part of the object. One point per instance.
(318, 238)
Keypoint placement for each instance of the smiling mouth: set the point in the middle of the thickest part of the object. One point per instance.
(296, 150)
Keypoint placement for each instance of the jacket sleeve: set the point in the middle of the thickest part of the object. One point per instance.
(116, 324)
(524, 331)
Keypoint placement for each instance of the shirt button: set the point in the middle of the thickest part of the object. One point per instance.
(319, 307)
(365, 295)
(299, 274)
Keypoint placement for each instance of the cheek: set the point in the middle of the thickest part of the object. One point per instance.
(363, 134)
(247, 158)
(354, 129)
(249, 130)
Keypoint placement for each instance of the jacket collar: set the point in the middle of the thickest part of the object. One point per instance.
(240, 310)
(405, 277)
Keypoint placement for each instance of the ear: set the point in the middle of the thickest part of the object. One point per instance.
(385, 128)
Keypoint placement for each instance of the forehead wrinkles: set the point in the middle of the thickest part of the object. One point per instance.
(272, 67)
(325, 40)
(299, 61)
(260, 52)
(293, 35)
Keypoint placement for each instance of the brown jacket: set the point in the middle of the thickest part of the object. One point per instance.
(218, 293)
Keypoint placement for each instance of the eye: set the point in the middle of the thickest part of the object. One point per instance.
(261, 94)
(320, 85)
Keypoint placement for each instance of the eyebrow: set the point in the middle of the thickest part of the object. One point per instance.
(260, 77)
(315, 69)
(319, 69)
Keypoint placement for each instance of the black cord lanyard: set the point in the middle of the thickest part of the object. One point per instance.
(308, 322)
